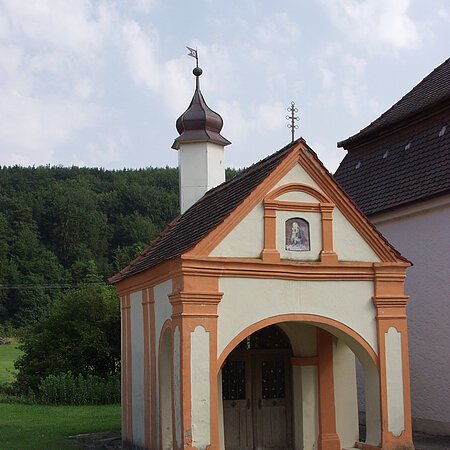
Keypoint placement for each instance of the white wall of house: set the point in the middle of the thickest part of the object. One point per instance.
(421, 233)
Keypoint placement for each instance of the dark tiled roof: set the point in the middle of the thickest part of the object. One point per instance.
(202, 217)
(400, 168)
(431, 91)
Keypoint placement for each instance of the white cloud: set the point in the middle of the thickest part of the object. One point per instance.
(242, 122)
(47, 57)
(140, 49)
(277, 29)
(375, 23)
(444, 14)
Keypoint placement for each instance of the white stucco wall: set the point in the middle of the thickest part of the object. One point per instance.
(200, 388)
(421, 233)
(345, 395)
(201, 168)
(177, 384)
(246, 301)
(347, 242)
(394, 381)
(310, 405)
(246, 239)
(137, 368)
(305, 388)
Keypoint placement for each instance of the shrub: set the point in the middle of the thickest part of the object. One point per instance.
(70, 389)
(80, 334)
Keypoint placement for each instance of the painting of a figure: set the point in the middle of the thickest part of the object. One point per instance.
(297, 235)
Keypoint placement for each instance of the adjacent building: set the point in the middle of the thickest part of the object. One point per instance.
(397, 170)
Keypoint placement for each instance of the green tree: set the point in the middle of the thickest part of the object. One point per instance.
(80, 334)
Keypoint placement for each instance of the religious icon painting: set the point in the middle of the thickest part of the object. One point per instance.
(297, 235)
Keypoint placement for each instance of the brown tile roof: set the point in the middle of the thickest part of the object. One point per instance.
(400, 168)
(188, 229)
(433, 90)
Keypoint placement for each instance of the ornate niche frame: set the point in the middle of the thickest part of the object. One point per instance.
(272, 204)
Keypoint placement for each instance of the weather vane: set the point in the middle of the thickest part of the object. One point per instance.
(293, 118)
(197, 71)
(194, 53)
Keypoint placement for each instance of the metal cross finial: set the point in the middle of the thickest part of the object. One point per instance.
(293, 118)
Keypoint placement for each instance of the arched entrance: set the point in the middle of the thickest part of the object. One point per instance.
(257, 392)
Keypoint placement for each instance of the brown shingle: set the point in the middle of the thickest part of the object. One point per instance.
(415, 167)
(202, 217)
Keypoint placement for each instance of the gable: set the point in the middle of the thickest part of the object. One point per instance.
(201, 229)
(296, 187)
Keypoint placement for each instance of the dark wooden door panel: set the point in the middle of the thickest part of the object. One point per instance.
(257, 393)
(272, 383)
(236, 394)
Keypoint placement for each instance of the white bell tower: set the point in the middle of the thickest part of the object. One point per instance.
(200, 149)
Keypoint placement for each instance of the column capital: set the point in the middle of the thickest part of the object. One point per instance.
(195, 303)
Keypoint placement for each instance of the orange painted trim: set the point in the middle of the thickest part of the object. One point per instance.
(280, 205)
(297, 187)
(324, 207)
(123, 372)
(308, 318)
(151, 299)
(328, 438)
(196, 304)
(327, 254)
(305, 361)
(390, 303)
(284, 270)
(270, 252)
(151, 277)
(146, 329)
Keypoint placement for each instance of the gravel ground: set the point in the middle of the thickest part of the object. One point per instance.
(112, 441)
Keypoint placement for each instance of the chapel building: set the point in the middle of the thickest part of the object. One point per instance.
(242, 321)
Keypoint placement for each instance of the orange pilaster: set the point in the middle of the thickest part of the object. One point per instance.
(328, 438)
(192, 307)
(390, 303)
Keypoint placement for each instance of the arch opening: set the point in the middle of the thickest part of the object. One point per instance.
(165, 390)
(305, 375)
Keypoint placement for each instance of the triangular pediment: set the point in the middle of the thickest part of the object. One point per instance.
(329, 223)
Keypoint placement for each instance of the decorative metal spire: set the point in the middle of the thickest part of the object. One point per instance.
(293, 118)
(199, 123)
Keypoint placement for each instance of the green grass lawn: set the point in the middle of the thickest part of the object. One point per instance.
(36, 427)
(8, 354)
(43, 427)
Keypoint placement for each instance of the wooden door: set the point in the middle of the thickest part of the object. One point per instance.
(257, 400)
(237, 398)
(273, 400)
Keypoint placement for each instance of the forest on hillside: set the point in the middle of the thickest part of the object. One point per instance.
(60, 225)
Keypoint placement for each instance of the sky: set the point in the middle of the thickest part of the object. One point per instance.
(100, 83)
